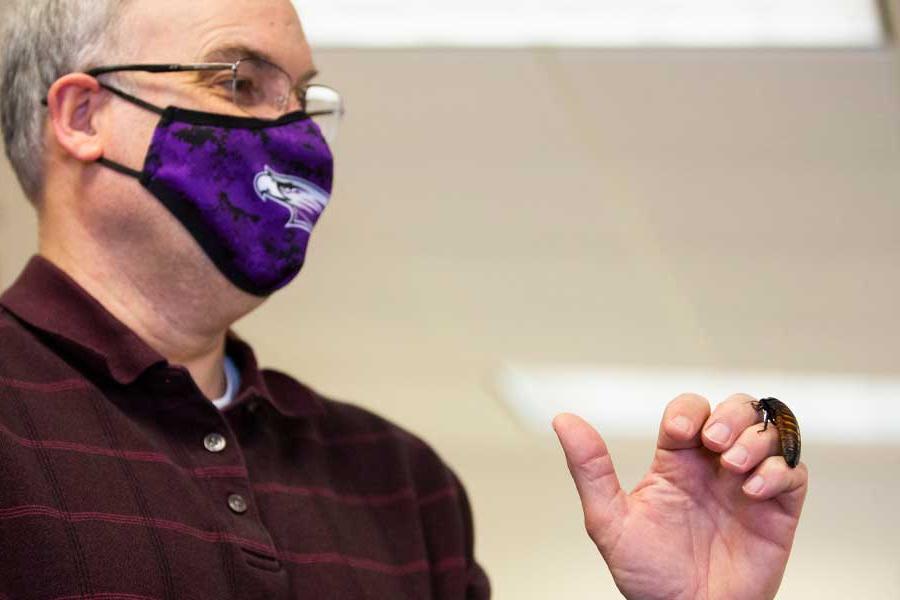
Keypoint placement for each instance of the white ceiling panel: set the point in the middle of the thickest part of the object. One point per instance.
(628, 401)
(593, 23)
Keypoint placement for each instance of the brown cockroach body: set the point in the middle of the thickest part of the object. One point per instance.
(776, 412)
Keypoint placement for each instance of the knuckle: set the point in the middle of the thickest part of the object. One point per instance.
(687, 398)
(775, 467)
(738, 410)
(802, 475)
(740, 398)
(768, 439)
(737, 403)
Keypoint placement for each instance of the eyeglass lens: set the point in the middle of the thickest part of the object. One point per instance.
(326, 108)
(265, 91)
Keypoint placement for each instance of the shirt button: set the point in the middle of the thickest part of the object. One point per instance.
(237, 503)
(214, 442)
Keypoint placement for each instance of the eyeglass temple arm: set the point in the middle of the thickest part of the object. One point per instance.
(160, 68)
(155, 69)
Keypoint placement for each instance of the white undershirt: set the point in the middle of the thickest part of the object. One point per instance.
(232, 383)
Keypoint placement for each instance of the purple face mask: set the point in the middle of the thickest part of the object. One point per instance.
(248, 190)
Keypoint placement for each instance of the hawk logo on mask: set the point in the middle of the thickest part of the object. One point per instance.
(304, 200)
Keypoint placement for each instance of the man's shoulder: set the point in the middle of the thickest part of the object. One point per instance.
(345, 424)
(18, 345)
(342, 417)
(9, 325)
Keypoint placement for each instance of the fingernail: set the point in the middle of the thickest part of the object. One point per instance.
(737, 456)
(682, 424)
(719, 433)
(755, 485)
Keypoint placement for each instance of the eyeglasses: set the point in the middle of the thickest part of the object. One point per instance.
(258, 88)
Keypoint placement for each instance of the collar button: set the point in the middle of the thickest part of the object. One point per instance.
(215, 442)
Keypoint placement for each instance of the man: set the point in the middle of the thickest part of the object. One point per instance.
(177, 156)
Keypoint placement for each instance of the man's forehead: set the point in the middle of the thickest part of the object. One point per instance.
(229, 52)
(213, 30)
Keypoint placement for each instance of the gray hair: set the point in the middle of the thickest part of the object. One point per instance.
(42, 41)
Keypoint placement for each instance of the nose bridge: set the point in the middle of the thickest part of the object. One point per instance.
(294, 102)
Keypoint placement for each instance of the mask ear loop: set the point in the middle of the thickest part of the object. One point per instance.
(133, 99)
(117, 167)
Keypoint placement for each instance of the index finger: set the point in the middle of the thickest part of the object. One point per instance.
(681, 423)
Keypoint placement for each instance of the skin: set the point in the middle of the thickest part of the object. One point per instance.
(689, 530)
(108, 233)
(695, 527)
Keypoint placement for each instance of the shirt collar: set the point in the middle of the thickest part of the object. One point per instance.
(47, 299)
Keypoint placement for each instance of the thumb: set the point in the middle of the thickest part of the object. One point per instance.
(591, 466)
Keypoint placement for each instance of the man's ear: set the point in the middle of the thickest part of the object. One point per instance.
(72, 103)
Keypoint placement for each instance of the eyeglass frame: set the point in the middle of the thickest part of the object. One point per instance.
(212, 66)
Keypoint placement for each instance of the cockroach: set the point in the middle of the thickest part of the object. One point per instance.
(776, 412)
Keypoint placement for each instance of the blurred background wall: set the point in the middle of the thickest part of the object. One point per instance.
(652, 208)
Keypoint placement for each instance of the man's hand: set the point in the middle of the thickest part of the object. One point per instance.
(713, 519)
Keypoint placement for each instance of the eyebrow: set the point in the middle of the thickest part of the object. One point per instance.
(235, 52)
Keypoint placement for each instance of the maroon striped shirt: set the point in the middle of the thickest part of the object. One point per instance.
(120, 480)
